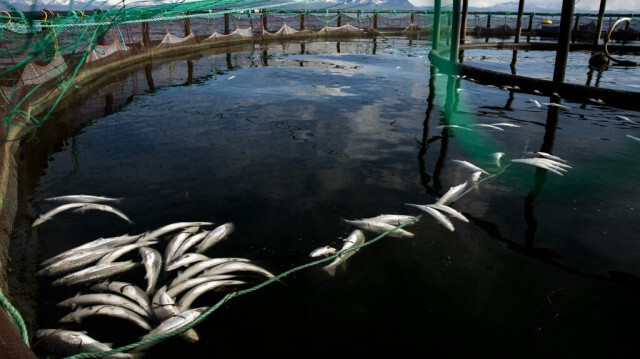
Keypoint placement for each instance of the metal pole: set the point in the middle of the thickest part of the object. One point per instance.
(437, 6)
(519, 23)
(226, 24)
(455, 31)
(463, 26)
(530, 27)
(302, 22)
(564, 42)
(340, 19)
(603, 4)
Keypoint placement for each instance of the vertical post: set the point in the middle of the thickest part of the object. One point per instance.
(575, 26)
(302, 22)
(264, 21)
(463, 25)
(564, 41)
(603, 4)
(226, 24)
(411, 22)
(519, 22)
(488, 27)
(375, 20)
(187, 27)
(455, 31)
(437, 6)
(530, 27)
(146, 40)
(340, 20)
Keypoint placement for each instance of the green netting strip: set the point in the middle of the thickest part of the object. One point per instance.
(15, 315)
(232, 295)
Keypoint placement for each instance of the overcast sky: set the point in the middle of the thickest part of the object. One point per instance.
(550, 4)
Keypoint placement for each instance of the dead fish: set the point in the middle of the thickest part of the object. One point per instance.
(95, 273)
(537, 103)
(189, 242)
(190, 283)
(188, 298)
(110, 242)
(184, 260)
(547, 164)
(470, 166)
(497, 156)
(379, 227)
(549, 156)
(393, 219)
(624, 118)
(128, 290)
(104, 208)
(435, 214)
(108, 310)
(157, 233)
(152, 261)
(163, 305)
(49, 215)
(230, 267)
(450, 211)
(505, 124)
(356, 238)
(83, 198)
(172, 324)
(70, 342)
(633, 138)
(452, 194)
(117, 253)
(73, 262)
(104, 298)
(201, 266)
(177, 240)
(488, 125)
(322, 251)
(218, 234)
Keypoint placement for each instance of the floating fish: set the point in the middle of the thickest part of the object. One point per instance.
(488, 125)
(624, 118)
(172, 227)
(189, 243)
(633, 137)
(152, 261)
(553, 104)
(505, 124)
(537, 103)
(108, 310)
(322, 251)
(177, 241)
(163, 305)
(184, 260)
(218, 234)
(379, 227)
(355, 239)
(394, 219)
(548, 164)
(230, 267)
(128, 290)
(172, 324)
(188, 298)
(70, 342)
(95, 273)
(190, 283)
(104, 298)
(82, 198)
(450, 211)
(453, 193)
(435, 214)
(549, 156)
(454, 126)
(104, 208)
(110, 243)
(497, 156)
(470, 166)
(73, 262)
(49, 215)
(201, 266)
(117, 253)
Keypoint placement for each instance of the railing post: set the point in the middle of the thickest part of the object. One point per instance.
(264, 21)
(455, 31)
(530, 27)
(146, 40)
(375, 20)
(603, 4)
(437, 6)
(187, 27)
(302, 21)
(340, 20)
(463, 26)
(564, 42)
(519, 22)
(226, 24)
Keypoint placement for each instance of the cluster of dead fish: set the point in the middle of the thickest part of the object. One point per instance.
(440, 210)
(157, 309)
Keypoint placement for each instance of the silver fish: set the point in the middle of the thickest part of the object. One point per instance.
(201, 266)
(83, 198)
(394, 219)
(70, 342)
(505, 124)
(497, 156)
(95, 273)
(184, 260)
(549, 156)
(230, 267)
(379, 227)
(163, 305)
(470, 166)
(322, 251)
(435, 214)
(108, 310)
(177, 241)
(624, 118)
(187, 299)
(128, 290)
(110, 242)
(172, 324)
(104, 298)
(73, 262)
(488, 125)
(152, 261)
(450, 211)
(541, 163)
(49, 215)
(190, 283)
(104, 208)
(189, 242)
(172, 227)
(117, 253)
(633, 137)
(217, 235)
(452, 194)
(354, 239)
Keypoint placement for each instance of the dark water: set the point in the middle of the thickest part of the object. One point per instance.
(286, 140)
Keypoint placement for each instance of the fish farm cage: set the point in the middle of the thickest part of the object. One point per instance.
(48, 56)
